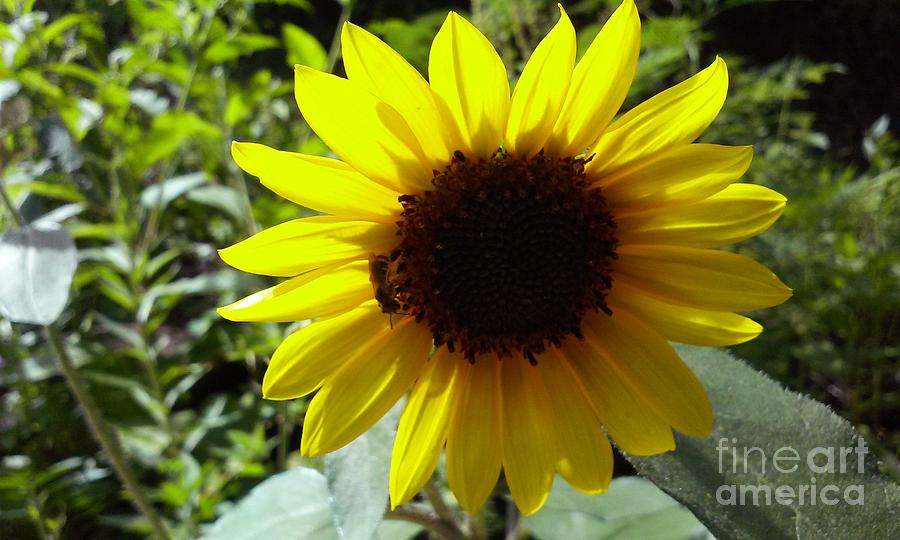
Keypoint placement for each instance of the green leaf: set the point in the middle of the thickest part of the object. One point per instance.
(585, 37)
(219, 281)
(231, 47)
(76, 71)
(155, 18)
(61, 192)
(358, 478)
(301, 4)
(218, 196)
(412, 39)
(36, 82)
(57, 27)
(5, 32)
(36, 270)
(163, 193)
(167, 134)
(724, 478)
(632, 508)
(302, 47)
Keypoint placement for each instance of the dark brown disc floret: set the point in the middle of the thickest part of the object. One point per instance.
(505, 255)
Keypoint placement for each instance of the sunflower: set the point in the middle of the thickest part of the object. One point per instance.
(519, 262)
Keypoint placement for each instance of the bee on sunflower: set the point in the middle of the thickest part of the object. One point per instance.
(519, 261)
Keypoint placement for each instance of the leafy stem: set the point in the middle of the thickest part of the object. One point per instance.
(433, 493)
(97, 424)
(4, 195)
(102, 432)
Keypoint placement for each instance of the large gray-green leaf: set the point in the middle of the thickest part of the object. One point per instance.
(632, 508)
(295, 504)
(724, 479)
(397, 530)
(358, 478)
(36, 270)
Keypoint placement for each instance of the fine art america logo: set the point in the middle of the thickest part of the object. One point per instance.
(754, 461)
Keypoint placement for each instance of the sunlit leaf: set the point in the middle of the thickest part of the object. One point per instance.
(358, 477)
(77, 71)
(36, 82)
(231, 47)
(294, 504)
(412, 39)
(205, 283)
(162, 194)
(58, 215)
(57, 27)
(302, 47)
(167, 134)
(8, 89)
(61, 192)
(221, 197)
(162, 17)
(36, 270)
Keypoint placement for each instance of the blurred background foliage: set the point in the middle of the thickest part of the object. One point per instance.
(116, 121)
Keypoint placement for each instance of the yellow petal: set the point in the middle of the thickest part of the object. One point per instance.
(305, 244)
(322, 184)
(423, 427)
(738, 212)
(541, 90)
(702, 278)
(362, 130)
(682, 174)
(585, 457)
(468, 76)
(529, 437)
(599, 84)
(317, 294)
(372, 64)
(681, 323)
(649, 365)
(307, 356)
(675, 116)
(352, 399)
(629, 419)
(473, 439)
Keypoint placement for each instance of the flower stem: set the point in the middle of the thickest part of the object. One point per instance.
(433, 492)
(428, 519)
(334, 50)
(102, 432)
(282, 421)
(7, 200)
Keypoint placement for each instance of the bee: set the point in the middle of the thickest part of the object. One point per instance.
(385, 292)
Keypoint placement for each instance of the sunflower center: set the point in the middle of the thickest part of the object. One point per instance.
(504, 255)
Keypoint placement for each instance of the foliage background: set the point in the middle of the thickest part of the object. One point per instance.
(116, 121)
